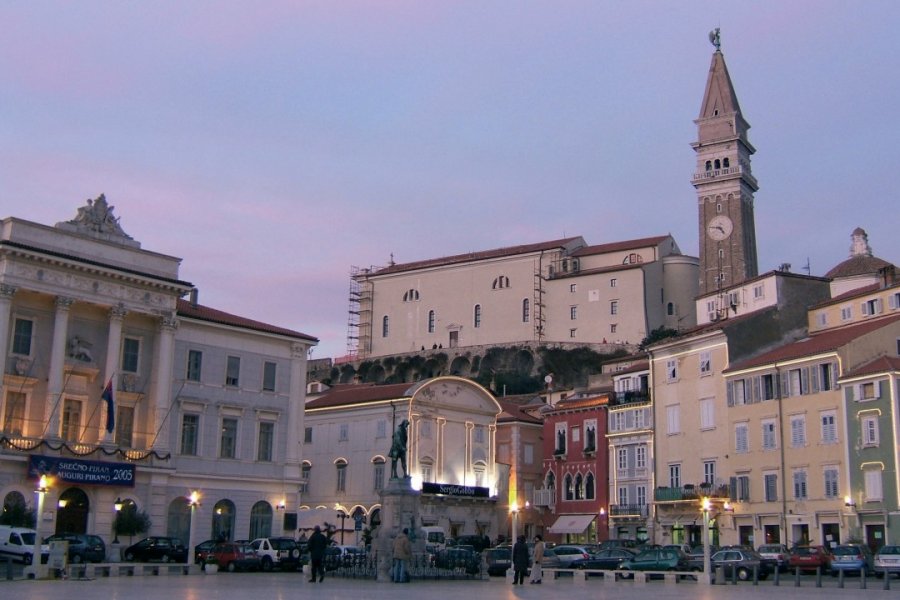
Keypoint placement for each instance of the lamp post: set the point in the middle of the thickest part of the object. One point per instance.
(194, 503)
(514, 514)
(342, 516)
(37, 569)
(117, 506)
(705, 507)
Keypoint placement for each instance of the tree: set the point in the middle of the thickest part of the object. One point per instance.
(18, 514)
(130, 521)
(660, 333)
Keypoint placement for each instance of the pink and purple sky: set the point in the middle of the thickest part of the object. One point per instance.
(274, 144)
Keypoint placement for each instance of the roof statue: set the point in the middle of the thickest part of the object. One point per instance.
(714, 38)
(97, 216)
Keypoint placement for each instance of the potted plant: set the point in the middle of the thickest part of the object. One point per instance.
(210, 564)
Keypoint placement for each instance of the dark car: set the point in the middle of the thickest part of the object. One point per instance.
(657, 559)
(164, 549)
(202, 550)
(810, 558)
(619, 543)
(83, 547)
(741, 562)
(478, 542)
(852, 558)
(776, 554)
(498, 560)
(607, 560)
(234, 556)
(458, 559)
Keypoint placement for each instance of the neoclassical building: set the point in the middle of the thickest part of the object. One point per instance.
(122, 390)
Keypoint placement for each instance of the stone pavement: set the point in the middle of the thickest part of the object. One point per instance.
(291, 586)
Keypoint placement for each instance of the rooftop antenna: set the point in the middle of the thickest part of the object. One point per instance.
(807, 268)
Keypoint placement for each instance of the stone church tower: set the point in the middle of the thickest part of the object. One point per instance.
(724, 182)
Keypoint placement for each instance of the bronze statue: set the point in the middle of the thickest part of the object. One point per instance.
(398, 449)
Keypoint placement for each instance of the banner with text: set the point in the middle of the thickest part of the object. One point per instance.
(82, 472)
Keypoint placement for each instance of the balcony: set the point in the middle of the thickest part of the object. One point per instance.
(689, 493)
(726, 173)
(545, 497)
(629, 510)
(629, 397)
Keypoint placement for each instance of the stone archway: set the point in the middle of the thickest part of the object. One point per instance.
(72, 511)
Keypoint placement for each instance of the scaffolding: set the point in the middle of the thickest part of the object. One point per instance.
(359, 314)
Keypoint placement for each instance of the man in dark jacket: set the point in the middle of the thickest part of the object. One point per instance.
(520, 560)
(317, 545)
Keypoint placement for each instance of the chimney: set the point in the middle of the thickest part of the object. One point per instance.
(194, 293)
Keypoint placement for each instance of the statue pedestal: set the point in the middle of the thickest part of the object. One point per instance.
(399, 509)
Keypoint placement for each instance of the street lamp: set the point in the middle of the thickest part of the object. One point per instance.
(117, 506)
(342, 516)
(705, 506)
(194, 503)
(41, 491)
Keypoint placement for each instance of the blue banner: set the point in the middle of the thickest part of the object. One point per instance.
(82, 472)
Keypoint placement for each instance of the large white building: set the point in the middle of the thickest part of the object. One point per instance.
(197, 399)
(556, 291)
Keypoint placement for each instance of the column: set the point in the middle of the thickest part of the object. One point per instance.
(55, 379)
(296, 405)
(162, 386)
(6, 296)
(113, 348)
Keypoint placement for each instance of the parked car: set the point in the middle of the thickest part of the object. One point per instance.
(83, 547)
(741, 562)
(165, 549)
(234, 556)
(18, 543)
(281, 553)
(657, 559)
(809, 558)
(551, 560)
(498, 559)
(202, 550)
(776, 554)
(852, 558)
(569, 553)
(478, 542)
(887, 561)
(337, 556)
(458, 558)
(607, 560)
(618, 543)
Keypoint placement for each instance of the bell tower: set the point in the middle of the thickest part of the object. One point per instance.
(724, 182)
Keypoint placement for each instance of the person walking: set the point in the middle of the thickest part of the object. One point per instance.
(317, 545)
(520, 560)
(538, 557)
(402, 554)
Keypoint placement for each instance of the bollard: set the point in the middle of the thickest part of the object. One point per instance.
(733, 575)
(9, 568)
(797, 577)
(841, 579)
(755, 574)
(777, 575)
(862, 578)
(887, 580)
(819, 576)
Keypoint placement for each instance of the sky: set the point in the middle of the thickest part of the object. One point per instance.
(275, 145)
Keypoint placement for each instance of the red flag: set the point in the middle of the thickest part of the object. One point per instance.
(110, 406)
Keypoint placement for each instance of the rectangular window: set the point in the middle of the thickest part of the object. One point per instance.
(614, 307)
(829, 428)
(378, 476)
(341, 477)
(131, 353)
(427, 472)
(709, 472)
(124, 425)
(640, 457)
(869, 430)
(769, 435)
(528, 453)
(639, 419)
(846, 313)
(343, 432)
(671, 370)
(573, 287)
(268, 376)
(800, 485)
(14, 413)
(613, 327)
(673, 420)
(798, 431)
(228, 441)
(622, 459)
(822, 319)
(194, 365)
(380, 429)
(613, 282)
(22, 332)
(623, 496)
(233, 371)
(479, 434)
(675, 476)
(307, 435)
(573, 332)
(266, 441)
(640, 493)
(831, 483)
(71, 420)
(740, 488)
(741, 439)
(573, 313)
(190, 428)
(874, 492)
(707, 413)
(759, 291)
(771, 484)
(705, 363)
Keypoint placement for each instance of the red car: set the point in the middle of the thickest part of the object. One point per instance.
(808, 558)
(235, 556)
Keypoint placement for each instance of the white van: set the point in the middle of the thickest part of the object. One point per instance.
(435, 538)
(18, 542)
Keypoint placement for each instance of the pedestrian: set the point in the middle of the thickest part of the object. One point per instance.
(317, 545)
(538, 557)
(402, 554)
(520, 560)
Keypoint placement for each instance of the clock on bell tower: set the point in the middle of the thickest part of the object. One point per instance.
(724, 182)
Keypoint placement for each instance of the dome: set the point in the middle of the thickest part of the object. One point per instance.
(861, 261)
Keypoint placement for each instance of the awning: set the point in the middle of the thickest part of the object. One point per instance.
(572, 523)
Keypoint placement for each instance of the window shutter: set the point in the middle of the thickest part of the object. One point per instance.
(804, 380)
(834, 376)
(864, 308)
(814, 378)
(729, 388)
(785, 385)
(756, 386)
(879, 389)
(732, 488)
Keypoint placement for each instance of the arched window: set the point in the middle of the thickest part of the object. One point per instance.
(477, 315)
(261, 520)
(589, 487)
(550, 481)
(500, 282)
(709, 165)
(223, 521)
(718, 164)
(411, 295)
(569, 485)
(430, 321)
(725, 163)
(178, 518)
(385, 326)
(670, 309)
(305, 472)
(378, 473)
(579, 487)
(341, 466)
(526, 310)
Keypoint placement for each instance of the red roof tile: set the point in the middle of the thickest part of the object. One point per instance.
(882, 364)
(205, 313)
(620, 246)
(363, 393)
